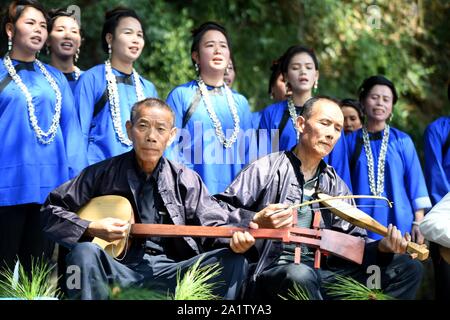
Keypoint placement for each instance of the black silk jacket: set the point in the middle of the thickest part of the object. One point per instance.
(273, 179)
(182, 191)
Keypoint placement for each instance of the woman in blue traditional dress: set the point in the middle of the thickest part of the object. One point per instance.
(105, 93)
(437, 156)
(39, 132)
(437, 176)
(214, 123)
(300, 69)
(384, 162)
(63, 44)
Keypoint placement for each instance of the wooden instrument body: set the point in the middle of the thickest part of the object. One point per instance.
(359, 218)
(109, 206)
(329, 241)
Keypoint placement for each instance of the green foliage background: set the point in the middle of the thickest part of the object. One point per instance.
(408, 41)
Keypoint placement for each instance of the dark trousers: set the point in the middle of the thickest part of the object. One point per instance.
(21, 237)
(99, 272)
(441, 274)
(400, 279)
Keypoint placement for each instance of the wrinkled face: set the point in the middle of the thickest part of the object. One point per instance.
(128, 40)
(229, 75)
(213, 52)
(151, 133)
(351, 119)
(302, 73)
(321, 131)
(30, 31)
(64, 38)
(378, 103)
(279, 89)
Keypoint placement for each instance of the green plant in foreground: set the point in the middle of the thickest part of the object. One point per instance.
(192, 286)
(131, 293)
(39, 285)
(347, 288)
(297, 293)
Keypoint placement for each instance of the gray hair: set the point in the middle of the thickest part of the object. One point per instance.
(151, 103)
(309, 104)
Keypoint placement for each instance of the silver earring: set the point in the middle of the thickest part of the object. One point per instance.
(77, 55)
(109, 51)
(391, 117)
(37, 54)
(197, 69)
(9, 44)
(316, 86)
(47, 50)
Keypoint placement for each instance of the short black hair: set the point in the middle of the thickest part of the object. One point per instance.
(309, 104)
(355, 104)
(112, 19)
(294, 50)
(198, 33)
(372, 81)
(151, 103)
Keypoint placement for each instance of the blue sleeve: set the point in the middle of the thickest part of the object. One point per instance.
(250, 131)
(414, 180)
(73, 137)
(246, 113)
(86, 95)
(264, 133)
(338, 159)
(436, 178)
(149, 88)
(176, 102)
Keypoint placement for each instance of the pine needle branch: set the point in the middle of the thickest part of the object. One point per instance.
(296, 293)
(194, 284)
(347, 288)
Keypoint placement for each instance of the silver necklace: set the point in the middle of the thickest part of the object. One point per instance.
(379, 188)
(293, 115)
(43, 137)
(114, 100)
(227, 143)
(77, 72)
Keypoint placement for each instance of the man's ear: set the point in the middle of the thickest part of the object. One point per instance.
(301, 123)
(173, 134)
(128, 126)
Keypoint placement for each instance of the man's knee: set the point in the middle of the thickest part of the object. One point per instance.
(407, 267)
(301, 274)
(83, 253)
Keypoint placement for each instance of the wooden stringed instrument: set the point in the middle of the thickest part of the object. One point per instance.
(359, 218)
(325, 241)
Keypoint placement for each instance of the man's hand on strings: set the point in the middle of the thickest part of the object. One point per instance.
(108, 229)
(270, 218)
(394, 242)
